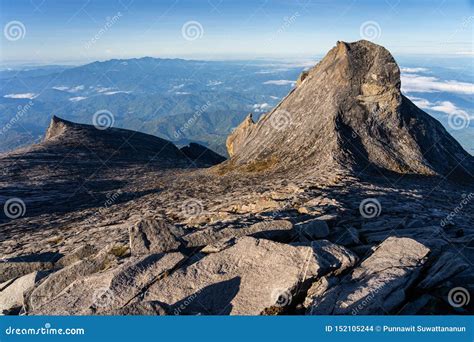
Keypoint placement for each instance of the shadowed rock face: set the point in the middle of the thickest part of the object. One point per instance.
(114, 142)
(201, 154)
(348, 112)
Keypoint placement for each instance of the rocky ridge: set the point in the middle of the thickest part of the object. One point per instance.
(118, 222)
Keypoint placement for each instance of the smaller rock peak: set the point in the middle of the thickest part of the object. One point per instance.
(56, 128)
(239, 135)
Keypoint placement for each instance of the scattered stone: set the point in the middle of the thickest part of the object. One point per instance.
(78, 254)
(275, 229)
(426, 233)
(58, 281)
(14, 269)
(318, 288)
(139, 309)
(332, 259)
(113, 289)
(149, 236)
(262, 204)
(247, 278)
(378, 284)
(443, 269)
(12, 297)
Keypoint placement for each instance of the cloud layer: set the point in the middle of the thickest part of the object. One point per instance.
(413, 83)
(440, 106)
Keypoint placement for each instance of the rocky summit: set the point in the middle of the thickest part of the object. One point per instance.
(345, 199)
(348, 112)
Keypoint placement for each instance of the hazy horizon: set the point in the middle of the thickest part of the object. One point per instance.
(82, 31)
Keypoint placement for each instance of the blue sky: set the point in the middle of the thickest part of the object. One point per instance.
(54, 31)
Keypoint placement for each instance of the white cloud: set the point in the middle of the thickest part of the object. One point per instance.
(77, 88)
(280, 82)
(62, 88)
(446, 107)
(176, 87)
(412, 70)
(182, 93)
(274, 97)
(21, 96)
(213, 83)
(428, 84)
(116, 92)
(103, 89)
(260, 107)
(77, 98)
(465, 53)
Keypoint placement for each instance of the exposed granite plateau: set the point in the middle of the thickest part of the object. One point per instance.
(344, 199)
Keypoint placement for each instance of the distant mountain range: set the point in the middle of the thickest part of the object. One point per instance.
(180, 100)
(192, 101)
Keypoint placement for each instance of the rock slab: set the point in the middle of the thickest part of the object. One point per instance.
(378, 284)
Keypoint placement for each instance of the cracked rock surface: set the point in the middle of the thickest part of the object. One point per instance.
(344, 199)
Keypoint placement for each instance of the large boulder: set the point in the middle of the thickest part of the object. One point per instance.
(12, 296)
(58, 281)
(109, 290)
(252, 277)
(378, 285)
(14, 269)
(79, 253)
(445, 267)
(151, 235)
